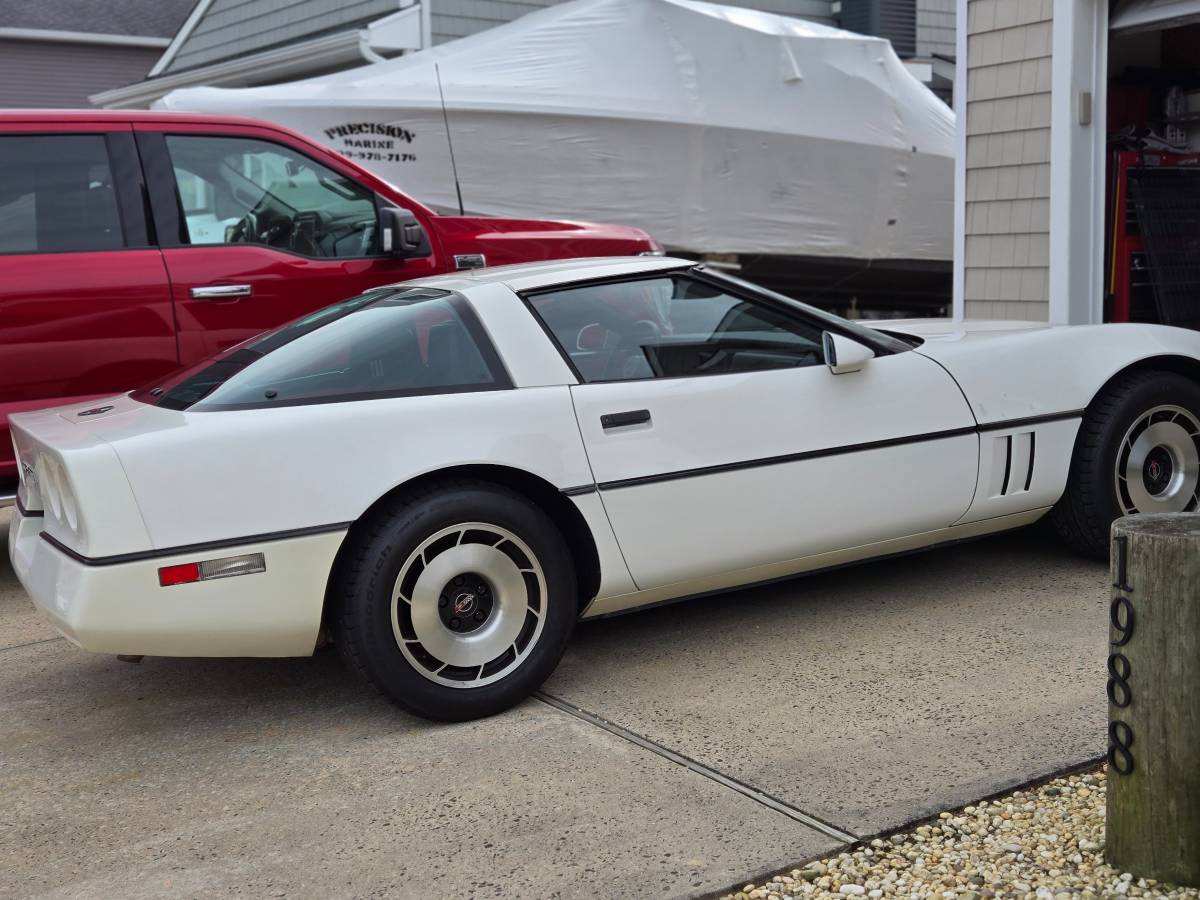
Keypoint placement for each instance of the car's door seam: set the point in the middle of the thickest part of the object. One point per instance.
(978, 436)
(595, 488)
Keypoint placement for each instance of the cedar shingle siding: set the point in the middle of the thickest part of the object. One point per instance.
(1007, 258)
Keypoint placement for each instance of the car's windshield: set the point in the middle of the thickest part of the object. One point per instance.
(385, 343)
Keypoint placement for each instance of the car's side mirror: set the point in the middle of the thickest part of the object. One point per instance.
(844, 355)
(401, 235)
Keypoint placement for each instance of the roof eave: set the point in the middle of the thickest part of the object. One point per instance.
(56, 36)
(280, 63)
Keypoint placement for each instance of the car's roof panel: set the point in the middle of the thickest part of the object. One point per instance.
(549, 273)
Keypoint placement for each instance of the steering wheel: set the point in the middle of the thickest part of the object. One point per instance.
(244, 231)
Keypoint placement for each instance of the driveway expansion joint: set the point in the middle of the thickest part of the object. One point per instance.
(31, 644)
(752, 793)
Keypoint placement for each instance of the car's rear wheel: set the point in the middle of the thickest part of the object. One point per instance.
(457, 602)
(1138, 451)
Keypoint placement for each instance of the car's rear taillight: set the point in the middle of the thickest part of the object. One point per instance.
(58, 498)
(184, 574)
(209, 569)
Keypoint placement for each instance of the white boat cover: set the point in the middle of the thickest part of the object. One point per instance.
(716, 128)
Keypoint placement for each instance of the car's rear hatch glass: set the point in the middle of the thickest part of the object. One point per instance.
(386, 343)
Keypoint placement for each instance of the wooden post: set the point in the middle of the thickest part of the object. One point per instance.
(1153, 828)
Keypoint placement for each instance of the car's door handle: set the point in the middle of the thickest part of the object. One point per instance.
(632, 417)
(221, 291)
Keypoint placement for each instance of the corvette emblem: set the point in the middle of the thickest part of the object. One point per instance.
(464, 604)
(95, 411)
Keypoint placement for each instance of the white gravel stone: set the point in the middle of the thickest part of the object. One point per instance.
(1043, 843)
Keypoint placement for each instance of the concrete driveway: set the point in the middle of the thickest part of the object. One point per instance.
(675, 752)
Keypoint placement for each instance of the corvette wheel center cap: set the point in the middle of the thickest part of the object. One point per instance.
(1157, 471)
(466, 603)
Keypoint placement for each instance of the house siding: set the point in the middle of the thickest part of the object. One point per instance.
(44, 74)
(452, 19)
(895, 20)
(935, 28)
(232, 28)
(1006, 266)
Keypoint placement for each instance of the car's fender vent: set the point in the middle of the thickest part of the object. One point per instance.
(1012, 460)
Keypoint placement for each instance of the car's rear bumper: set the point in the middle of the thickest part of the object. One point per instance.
(120, 607)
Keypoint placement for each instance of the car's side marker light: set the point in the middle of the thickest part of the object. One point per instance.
(226, 567)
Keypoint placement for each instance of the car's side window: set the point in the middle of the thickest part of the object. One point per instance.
(670, 326)
(246, 191)
(57, 195)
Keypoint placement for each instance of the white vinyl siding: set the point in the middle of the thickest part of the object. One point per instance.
(1007, 248)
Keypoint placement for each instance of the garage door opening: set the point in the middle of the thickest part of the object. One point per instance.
(1152, 208)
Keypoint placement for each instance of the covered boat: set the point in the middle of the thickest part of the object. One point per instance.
(718, 129)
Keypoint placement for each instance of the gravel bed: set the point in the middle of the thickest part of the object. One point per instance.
(1045, 843)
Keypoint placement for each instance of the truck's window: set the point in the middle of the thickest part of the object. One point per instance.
(244, 191)
(386, 343)
(57, 195)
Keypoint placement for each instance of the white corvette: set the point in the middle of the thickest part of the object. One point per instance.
(445, 475)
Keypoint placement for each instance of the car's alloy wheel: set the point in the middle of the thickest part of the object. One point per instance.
(1158, 464)
(456, 601)
(1137, 451)
(467, 606)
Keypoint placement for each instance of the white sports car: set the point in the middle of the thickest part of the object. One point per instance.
(444, 475)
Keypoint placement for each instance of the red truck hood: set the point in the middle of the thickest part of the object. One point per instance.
(504, 241)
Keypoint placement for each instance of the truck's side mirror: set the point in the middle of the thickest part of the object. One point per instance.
(844, 355)
(401, 235)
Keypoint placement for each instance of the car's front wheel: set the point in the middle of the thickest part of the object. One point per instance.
(458, 602)
(1138, 451)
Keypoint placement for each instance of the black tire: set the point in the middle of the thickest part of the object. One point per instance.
(363, 593)
(1090, 503)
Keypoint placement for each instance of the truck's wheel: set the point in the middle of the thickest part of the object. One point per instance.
(456, 603)
(1138, 451)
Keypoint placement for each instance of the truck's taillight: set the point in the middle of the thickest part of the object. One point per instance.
(226, 567)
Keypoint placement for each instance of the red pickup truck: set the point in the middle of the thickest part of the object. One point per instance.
(132, 243)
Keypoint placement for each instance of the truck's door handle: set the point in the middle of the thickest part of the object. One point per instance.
(632, 417)
(221, 291)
